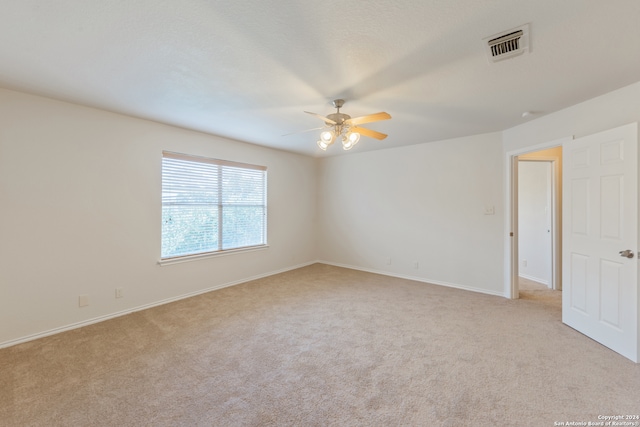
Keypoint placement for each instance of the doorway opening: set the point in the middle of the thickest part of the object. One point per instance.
(536, 219)
(535, 207)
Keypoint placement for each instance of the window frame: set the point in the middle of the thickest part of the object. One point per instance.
(220, 206)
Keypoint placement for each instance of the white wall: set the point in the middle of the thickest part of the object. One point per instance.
(423, 203)
(80, 214)
(608, 111)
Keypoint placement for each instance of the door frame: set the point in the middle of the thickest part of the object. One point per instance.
(511, 224)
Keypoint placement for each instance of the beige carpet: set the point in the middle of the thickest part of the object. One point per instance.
(321, 346)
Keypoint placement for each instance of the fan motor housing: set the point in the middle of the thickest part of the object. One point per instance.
(339, 118)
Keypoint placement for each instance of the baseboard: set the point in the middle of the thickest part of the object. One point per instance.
(417, 279)
(226, 285)
(535, 279)
(144, 307)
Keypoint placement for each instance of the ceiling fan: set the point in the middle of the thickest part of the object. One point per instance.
(346, 128)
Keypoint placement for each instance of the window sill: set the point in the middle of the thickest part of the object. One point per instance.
(189, 258)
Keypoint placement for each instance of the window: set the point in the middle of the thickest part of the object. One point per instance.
(211, 205)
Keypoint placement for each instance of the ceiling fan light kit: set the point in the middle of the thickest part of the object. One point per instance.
(344, 127)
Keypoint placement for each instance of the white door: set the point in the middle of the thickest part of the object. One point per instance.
(600, 218)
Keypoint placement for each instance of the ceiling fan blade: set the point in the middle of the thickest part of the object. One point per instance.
(368, 119)
(325, 119)
(370, 133)
(303, 131)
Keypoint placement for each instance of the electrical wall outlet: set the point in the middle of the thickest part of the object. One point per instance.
(524, 262)
(119, 292)
(83, 300)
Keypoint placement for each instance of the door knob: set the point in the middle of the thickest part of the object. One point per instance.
(627, 253)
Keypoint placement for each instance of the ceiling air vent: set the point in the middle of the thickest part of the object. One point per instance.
(508, 43)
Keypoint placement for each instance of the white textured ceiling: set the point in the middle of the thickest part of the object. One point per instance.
(246, 70)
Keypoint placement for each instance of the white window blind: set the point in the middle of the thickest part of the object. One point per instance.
(211, 205)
